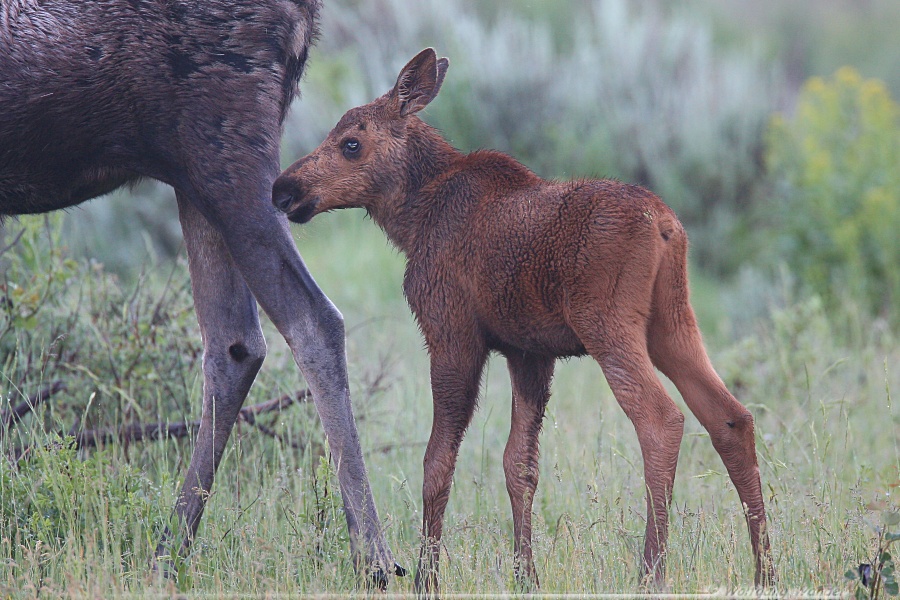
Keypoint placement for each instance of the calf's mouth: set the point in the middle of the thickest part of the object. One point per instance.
(288, 197)
(303, 212)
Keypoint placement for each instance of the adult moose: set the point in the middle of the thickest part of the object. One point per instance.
(499, 259)
(95, 94)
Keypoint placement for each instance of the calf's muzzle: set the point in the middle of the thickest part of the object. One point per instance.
(288, 197)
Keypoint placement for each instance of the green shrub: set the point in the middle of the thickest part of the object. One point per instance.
(77, 496)
(837, 208)
(124, 353)
(59, 498)
(115, 352)
(609, 89)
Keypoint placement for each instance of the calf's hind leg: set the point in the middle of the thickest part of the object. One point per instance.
(618, 343)
(676, 348)
(531, 376)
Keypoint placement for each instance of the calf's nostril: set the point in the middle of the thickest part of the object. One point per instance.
(282, 197)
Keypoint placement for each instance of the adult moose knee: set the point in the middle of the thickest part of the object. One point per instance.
(96, 95)
(501, 260)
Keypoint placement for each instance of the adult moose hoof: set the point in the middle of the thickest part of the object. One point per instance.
(378, 580)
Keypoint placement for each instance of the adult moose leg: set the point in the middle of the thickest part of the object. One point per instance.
(531, 376)
(233, 352)
(197, 100)
(314, 330)
(616, 339)
(455, 378)
(247, 228)
(676, 348)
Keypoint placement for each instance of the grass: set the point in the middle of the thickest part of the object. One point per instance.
(84, 523)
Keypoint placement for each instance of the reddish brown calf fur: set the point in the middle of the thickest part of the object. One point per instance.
(500, 259)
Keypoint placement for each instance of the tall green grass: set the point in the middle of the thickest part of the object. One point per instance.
(85, 523)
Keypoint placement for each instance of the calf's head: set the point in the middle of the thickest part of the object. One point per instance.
(364, 161)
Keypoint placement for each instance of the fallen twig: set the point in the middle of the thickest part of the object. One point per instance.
(384, 449)
(136, 432)
(13, 416)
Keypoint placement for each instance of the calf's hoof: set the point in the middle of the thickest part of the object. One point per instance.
(426, 585)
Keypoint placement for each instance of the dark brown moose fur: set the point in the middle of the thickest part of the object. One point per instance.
(499, 259)
(95, 94)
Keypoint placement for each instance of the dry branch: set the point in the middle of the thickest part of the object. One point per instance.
(134, 432)
(13, 416)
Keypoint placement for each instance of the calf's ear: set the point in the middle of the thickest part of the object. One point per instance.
(419, 82)
(442, 66)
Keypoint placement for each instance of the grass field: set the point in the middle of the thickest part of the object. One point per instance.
(820, 386)
(674, 98)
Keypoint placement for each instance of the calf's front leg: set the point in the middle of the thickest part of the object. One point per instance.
(531, 376)
(455, 378)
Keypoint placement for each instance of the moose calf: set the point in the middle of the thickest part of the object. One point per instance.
(499, 259)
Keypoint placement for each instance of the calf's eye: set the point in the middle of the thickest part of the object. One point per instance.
(350, 148)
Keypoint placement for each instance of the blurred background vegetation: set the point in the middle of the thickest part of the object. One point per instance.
(705, 102)
(772, 128)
